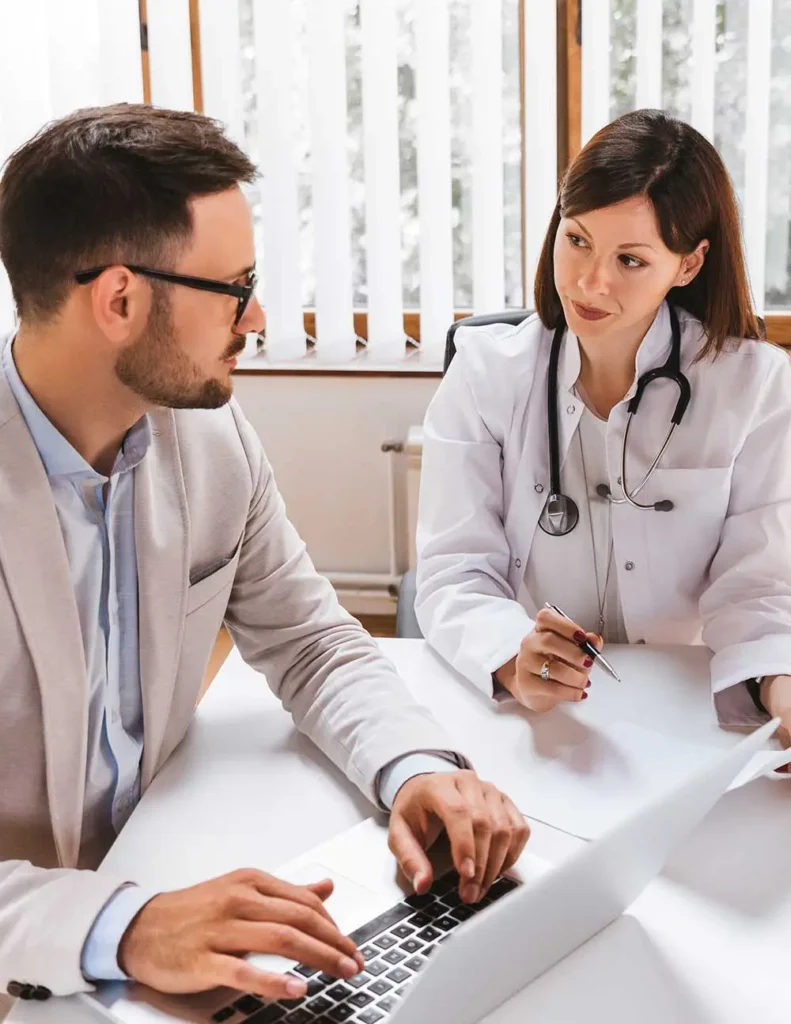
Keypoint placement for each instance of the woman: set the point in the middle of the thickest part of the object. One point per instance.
(642, 261)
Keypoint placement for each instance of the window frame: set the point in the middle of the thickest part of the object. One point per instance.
(569, 131)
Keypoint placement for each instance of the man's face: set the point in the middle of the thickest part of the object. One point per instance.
(185, 356)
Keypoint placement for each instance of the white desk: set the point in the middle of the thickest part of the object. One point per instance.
(710, 941)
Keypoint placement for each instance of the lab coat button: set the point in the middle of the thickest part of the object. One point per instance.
(518, 563)
(539, 488)
(629, 566)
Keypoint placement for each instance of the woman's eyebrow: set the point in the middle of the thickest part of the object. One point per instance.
(637, 245)
(624, 245)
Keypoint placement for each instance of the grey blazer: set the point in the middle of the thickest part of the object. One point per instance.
(213, 544)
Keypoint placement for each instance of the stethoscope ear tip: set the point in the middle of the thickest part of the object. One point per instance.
(664, 506)
(603, 491)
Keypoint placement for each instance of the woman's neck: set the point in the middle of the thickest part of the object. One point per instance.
(607, 367)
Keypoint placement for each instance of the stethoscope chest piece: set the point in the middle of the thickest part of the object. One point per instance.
(559, 515)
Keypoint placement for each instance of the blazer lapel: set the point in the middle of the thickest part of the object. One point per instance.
(36, 568)
(162, 543)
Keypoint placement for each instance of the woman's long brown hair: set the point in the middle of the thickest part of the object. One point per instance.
(649, 153)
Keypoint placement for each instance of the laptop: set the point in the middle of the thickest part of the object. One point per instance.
(431, 957)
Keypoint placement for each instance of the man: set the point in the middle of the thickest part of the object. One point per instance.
(137, 514)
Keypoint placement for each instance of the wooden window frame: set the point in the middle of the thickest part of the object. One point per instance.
(778, 323)
(569, 104)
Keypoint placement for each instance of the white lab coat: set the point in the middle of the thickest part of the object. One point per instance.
(716, 569)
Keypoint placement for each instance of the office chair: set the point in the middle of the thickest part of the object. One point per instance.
(406, 620)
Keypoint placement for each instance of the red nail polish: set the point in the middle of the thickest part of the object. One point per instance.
(580, 637)
(587, 684)
(584, 696)
(588, 662)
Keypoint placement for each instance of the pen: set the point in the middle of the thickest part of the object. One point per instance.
(587, 646)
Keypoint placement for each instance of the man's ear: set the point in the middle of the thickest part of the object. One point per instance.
(120, 302)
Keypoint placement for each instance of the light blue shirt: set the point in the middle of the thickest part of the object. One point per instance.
(96, 517)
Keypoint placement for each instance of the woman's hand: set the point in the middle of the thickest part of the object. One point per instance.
(776, 698)
(554, 642)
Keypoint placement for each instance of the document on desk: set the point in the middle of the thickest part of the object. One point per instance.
(592, 786)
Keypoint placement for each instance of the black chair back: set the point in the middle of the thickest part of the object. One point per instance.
(510, 316)
(513, 317)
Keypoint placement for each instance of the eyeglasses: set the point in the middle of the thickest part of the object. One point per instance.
(242, 292)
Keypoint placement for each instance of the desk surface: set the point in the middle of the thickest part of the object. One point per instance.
(709, 941)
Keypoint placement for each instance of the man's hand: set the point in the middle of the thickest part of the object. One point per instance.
(194, 939)
(776, 698)
(486, 831)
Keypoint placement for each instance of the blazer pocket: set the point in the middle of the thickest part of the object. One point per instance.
(206, 582)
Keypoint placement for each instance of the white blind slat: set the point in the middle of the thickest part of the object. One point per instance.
(73, 34)
(335, 337)
(488, 229)
(649, 54)
(221, 78)
(595, 66)
(170, 53)
(382, 185)
(120, 59)
(540, 108)
(274, 45)
(433, 172)
(704, 41)
(759, 67)
(23, 59)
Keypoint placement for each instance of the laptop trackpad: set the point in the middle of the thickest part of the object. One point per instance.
(350, 905)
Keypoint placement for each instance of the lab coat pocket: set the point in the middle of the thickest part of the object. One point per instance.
(682, 542)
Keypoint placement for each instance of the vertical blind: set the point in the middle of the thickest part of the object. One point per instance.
(92, 56)
(87, 52)
(55, 57)
(280, 45)
(650, 38)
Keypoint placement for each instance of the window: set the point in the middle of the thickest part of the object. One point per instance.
(410, 149)
(724, 66)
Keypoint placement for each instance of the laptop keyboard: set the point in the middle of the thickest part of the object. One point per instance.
(396, 946)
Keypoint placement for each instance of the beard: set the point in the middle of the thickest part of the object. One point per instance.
(157, 369)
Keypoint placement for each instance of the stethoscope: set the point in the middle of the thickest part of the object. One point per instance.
(560, 513)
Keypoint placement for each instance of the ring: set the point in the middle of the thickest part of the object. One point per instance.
(545, 671)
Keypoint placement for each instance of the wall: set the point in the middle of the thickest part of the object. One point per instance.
(323, 436)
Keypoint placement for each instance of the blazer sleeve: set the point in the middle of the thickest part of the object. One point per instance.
(465, 605)
(46, 916)
(329, 674)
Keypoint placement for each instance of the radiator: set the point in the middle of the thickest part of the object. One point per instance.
(368, 593)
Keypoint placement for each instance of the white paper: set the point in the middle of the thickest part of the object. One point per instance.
(764, 764)
(591, 787)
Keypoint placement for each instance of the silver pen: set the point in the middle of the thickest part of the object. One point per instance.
(587, 646)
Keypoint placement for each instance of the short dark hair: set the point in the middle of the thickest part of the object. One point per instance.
(105, 185)
(650, 153)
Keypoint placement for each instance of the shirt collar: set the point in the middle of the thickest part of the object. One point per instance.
(59, 456)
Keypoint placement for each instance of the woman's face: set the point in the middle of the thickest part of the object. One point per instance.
(613, 271)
